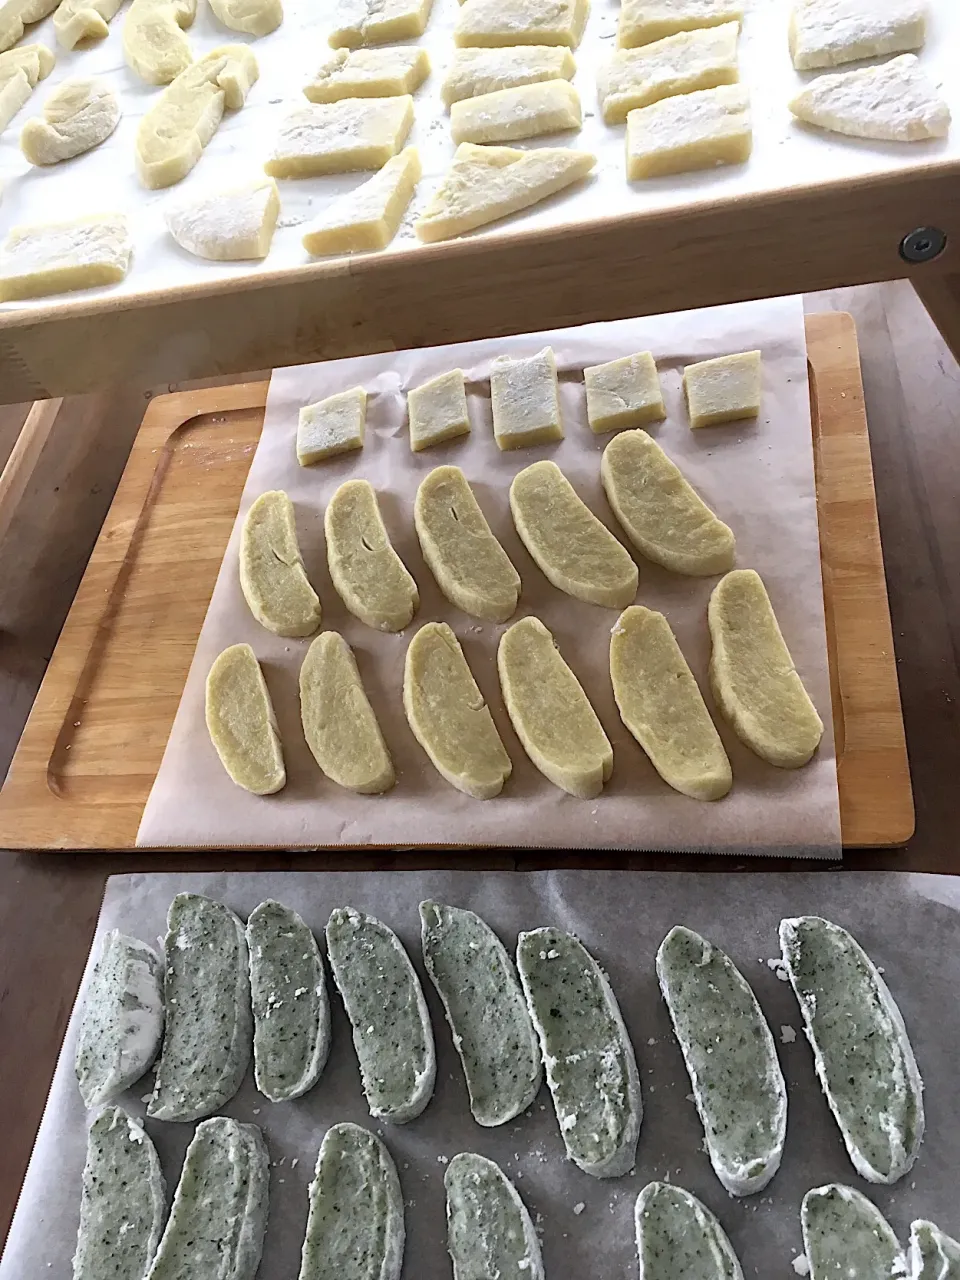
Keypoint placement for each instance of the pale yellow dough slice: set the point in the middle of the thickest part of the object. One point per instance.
(502, 23)
(684, 63)
(661, 704)
(828, 33)
(725, 389)
(241, 722)
(624, 393)
(272, 577)
(228, 225)
(643, 21)
(331, 426)
(153, 41)
(78, 115)
(56, 257)
(479, 71)
(577, 553)
(525, 398)
(471, 568)
(509, 115)
(752, 675)
(449, 717)
(338, 722)
(358, 22)
(173, 133)
(693, 131)
(661, 514)
(367, 218)
(340, 137)
(369, 576)
(17, 15)
(253, 17)
(76, 20)
(20, 70)
(485, 184)
(550, 712)
(369, 73)
(895, 102)
(438, 411)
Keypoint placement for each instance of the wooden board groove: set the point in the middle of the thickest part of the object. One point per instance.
(95, 737)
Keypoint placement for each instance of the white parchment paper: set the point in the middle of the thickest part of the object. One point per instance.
(909, 925)
(757, 475)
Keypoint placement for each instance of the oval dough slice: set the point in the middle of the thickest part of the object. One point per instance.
(448, 716)
(484, 1004)
(661, 704)
(153, 41)
(861, 1051)
(933, 1254)
(844, 1234)
(591, 1068)
(78, 115)
(123, 1200)
(254, 17)
(678, 1238)
(291, 1012)
(659, 511)
(471, 568)
(550, 712)
(381, 993)
(730, 1057)
(355, 1227)
(752, 675)
(576, 552)
(241, 722)
(230, 225)
(370, 578)
(122, 1021)
(272, 576)
(338, 722)
(206, 988)
(489, 1231)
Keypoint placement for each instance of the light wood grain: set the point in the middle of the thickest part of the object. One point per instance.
(24, 456)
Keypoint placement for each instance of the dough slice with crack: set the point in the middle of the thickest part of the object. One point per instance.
(227, 225)
(331, 426)
(369, 217)
(933, 1254)
(369, 73)
(474, 72)
(678, 1237)
(348, 136)
(254, 17)
(20, 71)
(360, 22)
(272, 576)
(154, 45)
(448, 716)
(844, 1233)
(370, 578)
(644, 21)
(489, 1230)
(682, 63)
(241, 722)
(510, 115)
(895, 102)
(623, 393)
(499, 23)
(525, 400)
(827, 33)
(57, 257)
(550, 712)
(82, 20)
(78, 115)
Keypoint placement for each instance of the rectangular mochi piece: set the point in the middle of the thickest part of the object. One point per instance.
(369, 73)
(828, 33)
(331, 426)
(369, 217)
(644, 21)
(500, 23)
(525, 396)
(359, 22)
(438, 410)
(508, 115)
(725, 389)
(38, 259)
(692, 131)
(683, 63)
(480, 71)
(340, 137)
(624, 393)
(895, 102)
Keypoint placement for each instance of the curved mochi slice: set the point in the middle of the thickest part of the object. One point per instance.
(661, 704)
(845, 1234)
(355, 1227)
(484, 1004)
(678, 1238)
(241, 722)
(392, 1034)
(550, 712)
(933, 1254)
(590, 1063)
(577, 553)
(489, 1231)
(753, 677)
(730, 1057)
(661, 514)
(272, 576)
(471, 568)
(861, 1051)
(339, 723)
(370, 578)
(448, 716)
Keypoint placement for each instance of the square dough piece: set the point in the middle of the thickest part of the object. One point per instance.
(359, 22)
(477, 71)
(56, 257)
(369, 73)
(684, 63)
(525, 396)
(723, 390)
(895, 102)
(331, 426)
(643, 21)
(498, 23)
(693, 131)
(367, 218)
(340, 137)
(510, 115)
(624, 393)
(438, 411)
(827, 33)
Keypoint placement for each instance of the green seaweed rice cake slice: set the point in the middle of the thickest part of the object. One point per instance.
(933, 1254)
(489, 1231)
(845, 1235)
(678, 1238)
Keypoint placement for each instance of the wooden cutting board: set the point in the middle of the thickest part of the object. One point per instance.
(94, 740)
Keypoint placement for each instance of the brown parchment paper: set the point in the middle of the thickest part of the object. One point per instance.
(758, 476)
(909, 924)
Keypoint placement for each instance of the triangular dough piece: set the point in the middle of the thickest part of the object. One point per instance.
(487, 183)
(895, 102)
(228, 226)
(368, 217)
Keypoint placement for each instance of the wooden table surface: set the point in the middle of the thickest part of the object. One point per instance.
(49, 903)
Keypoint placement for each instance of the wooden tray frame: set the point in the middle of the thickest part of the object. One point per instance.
(114, 682)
